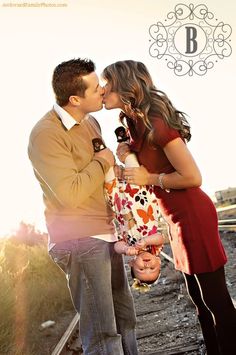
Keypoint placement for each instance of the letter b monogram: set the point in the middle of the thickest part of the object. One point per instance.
(191, 43)
(190, 40)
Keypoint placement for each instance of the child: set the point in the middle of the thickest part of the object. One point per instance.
(146, 265)
(136, 220)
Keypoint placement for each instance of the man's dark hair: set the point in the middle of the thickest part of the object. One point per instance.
(67, 79)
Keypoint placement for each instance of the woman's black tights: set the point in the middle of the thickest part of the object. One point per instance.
(215, 310)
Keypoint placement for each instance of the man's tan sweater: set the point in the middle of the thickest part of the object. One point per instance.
(71, 178)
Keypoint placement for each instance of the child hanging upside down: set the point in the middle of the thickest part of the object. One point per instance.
(136, 222)
(146, 264)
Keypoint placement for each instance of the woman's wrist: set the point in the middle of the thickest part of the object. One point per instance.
(160, 180)
(162, 183)
(152, 179)
(156, 179)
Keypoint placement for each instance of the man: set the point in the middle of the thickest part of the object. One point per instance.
(79, 222)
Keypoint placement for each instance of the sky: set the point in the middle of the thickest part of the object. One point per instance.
(34, 39)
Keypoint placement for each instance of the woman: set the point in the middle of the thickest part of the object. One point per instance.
(158, 136)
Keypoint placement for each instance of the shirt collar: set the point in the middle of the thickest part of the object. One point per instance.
(67, 120)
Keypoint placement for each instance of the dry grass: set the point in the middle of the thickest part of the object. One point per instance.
(32, 290)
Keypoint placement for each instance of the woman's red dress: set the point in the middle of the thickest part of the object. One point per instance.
(189, 213)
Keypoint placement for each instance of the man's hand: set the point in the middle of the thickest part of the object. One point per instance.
(107, 155)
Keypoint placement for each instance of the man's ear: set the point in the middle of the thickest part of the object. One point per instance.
(74, 100)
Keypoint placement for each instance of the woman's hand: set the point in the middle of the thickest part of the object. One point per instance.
(122, 151)
(137, 176)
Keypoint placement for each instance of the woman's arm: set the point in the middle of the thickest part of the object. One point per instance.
(186, 175)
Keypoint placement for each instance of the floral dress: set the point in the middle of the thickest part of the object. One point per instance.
(136, 210)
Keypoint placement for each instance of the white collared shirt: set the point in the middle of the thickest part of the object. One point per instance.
(67, 120)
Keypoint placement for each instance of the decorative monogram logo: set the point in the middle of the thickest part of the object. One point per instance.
(191, 40)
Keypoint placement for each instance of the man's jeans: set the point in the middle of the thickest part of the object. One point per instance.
(100, 293)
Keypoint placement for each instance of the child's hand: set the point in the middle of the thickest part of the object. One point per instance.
(140, 244)
(131, 251)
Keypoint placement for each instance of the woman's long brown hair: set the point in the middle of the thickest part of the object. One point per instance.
(133, 83)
